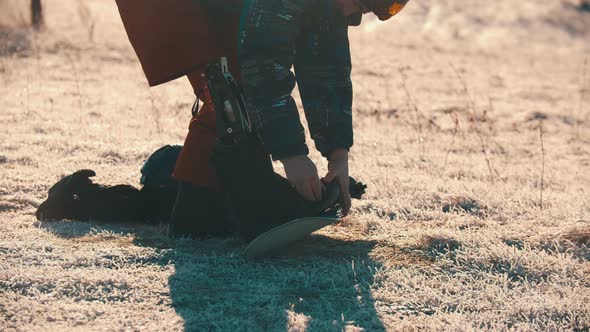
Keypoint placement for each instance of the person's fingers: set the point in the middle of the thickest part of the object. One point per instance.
(346, 204)
(316, 187)
(343, 183)
(345, 199)
(330, 176)
(304, 190)
(311, 191)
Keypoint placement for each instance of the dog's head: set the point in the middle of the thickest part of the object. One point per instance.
(65, 199)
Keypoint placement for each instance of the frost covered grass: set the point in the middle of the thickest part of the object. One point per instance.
(451, 236)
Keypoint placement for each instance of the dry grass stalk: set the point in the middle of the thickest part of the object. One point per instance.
(585, 86)
(3, 71)
(541, 132)
(36, 14)
(470, 106)
(156, 113)
(28, 92)
(37, 55)
(87, 18)
(77, 81)
(411, 104)
(452, 144)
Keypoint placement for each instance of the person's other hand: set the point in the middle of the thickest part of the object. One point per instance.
(338, 171)
(303, 175)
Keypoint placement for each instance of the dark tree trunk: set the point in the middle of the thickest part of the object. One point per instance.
(36, 14)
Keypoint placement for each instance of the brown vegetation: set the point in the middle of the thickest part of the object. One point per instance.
(579, 234)
(451, 235)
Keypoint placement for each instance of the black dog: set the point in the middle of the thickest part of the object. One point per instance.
(76, 197)
(256, 198)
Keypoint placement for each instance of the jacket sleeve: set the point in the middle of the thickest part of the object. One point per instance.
(266, 49)
(323, 68)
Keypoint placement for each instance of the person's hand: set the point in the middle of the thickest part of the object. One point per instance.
(338, 171)
(303, 175)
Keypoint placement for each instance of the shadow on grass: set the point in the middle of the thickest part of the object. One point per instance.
(320, 283)
(314, 285)
(80, 229)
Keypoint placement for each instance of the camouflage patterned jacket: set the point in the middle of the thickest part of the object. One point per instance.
(312, 37)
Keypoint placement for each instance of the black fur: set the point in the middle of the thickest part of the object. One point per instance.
(256, 198)
(263, 199)
(76, 197)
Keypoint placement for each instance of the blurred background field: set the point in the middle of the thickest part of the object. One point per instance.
(472, 124)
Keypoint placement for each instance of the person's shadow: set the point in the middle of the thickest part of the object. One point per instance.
(320, 283)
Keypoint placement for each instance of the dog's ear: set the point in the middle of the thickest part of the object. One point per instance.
(79, 179)
(84, 174)
(72, 182)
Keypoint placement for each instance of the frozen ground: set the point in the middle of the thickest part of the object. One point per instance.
(450, 98)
